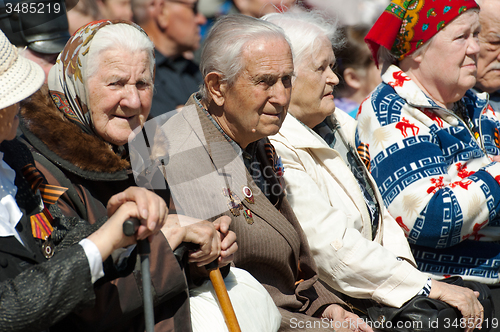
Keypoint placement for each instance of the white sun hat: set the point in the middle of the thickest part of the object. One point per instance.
(19, 77)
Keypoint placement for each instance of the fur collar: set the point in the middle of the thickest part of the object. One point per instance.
(42, 119)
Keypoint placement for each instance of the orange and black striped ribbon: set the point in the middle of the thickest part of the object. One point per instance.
(364, 154)
(50, 194)
(41, 223)
(271, 155)
(33, 176)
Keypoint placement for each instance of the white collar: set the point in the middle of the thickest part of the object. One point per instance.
(406, 88)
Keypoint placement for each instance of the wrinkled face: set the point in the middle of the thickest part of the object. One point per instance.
(9, 122)
(256, 104)
(183, 27)
(448, 66)
(117, 10)
(258, 8)
(312, 93)
(120, 94)
(488, 62)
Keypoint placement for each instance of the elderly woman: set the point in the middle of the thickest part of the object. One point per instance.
(430, 141)
(99, 91)
(219, 162)
(36, 293)
(357, 245)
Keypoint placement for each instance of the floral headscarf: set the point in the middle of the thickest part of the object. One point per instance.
(66, 78)
(405, 25)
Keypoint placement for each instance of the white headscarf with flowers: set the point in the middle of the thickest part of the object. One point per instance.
(66, 79)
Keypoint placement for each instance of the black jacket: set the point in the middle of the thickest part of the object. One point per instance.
(36, 293)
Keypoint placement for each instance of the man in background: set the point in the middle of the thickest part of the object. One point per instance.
(488, 60)
(115, 9)
(174, 28)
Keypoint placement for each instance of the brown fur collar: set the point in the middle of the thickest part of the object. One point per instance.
(88, 152)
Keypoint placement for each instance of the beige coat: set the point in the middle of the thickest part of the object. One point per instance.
(327, 201)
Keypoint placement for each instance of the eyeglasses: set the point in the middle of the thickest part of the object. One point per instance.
(192, 5)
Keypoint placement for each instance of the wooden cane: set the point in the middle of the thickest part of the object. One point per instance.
(218, 284)
(223, 297)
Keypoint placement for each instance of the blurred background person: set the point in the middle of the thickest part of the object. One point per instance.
(254, 8)
(115, 9)
(213, 9)
(358, 74)
(81, 13)
(488, 60)
(352, 12)
(259, 8)
(40, 36)
(174, 28)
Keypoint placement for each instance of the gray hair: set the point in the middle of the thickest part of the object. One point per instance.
(225, 43)
(118, 36)
(305, 29)
(386, 58)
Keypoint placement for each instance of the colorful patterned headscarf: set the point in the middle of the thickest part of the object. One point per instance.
(66, 78)
(405, 25)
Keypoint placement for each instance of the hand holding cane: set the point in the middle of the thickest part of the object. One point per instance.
(219, 287)
(130, 227)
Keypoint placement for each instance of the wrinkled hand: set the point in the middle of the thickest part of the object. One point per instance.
(109, 236)
(207, 237)
(228, 240)
(215, 239)
(151, 209)
(347, 320)
(462, 298)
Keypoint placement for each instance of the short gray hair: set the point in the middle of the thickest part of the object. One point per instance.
(225, 43)
(305, 29)
(118, 36)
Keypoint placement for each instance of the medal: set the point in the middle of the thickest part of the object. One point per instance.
(248, 216)
(47, 248)
(247, 192)
(234, 202)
